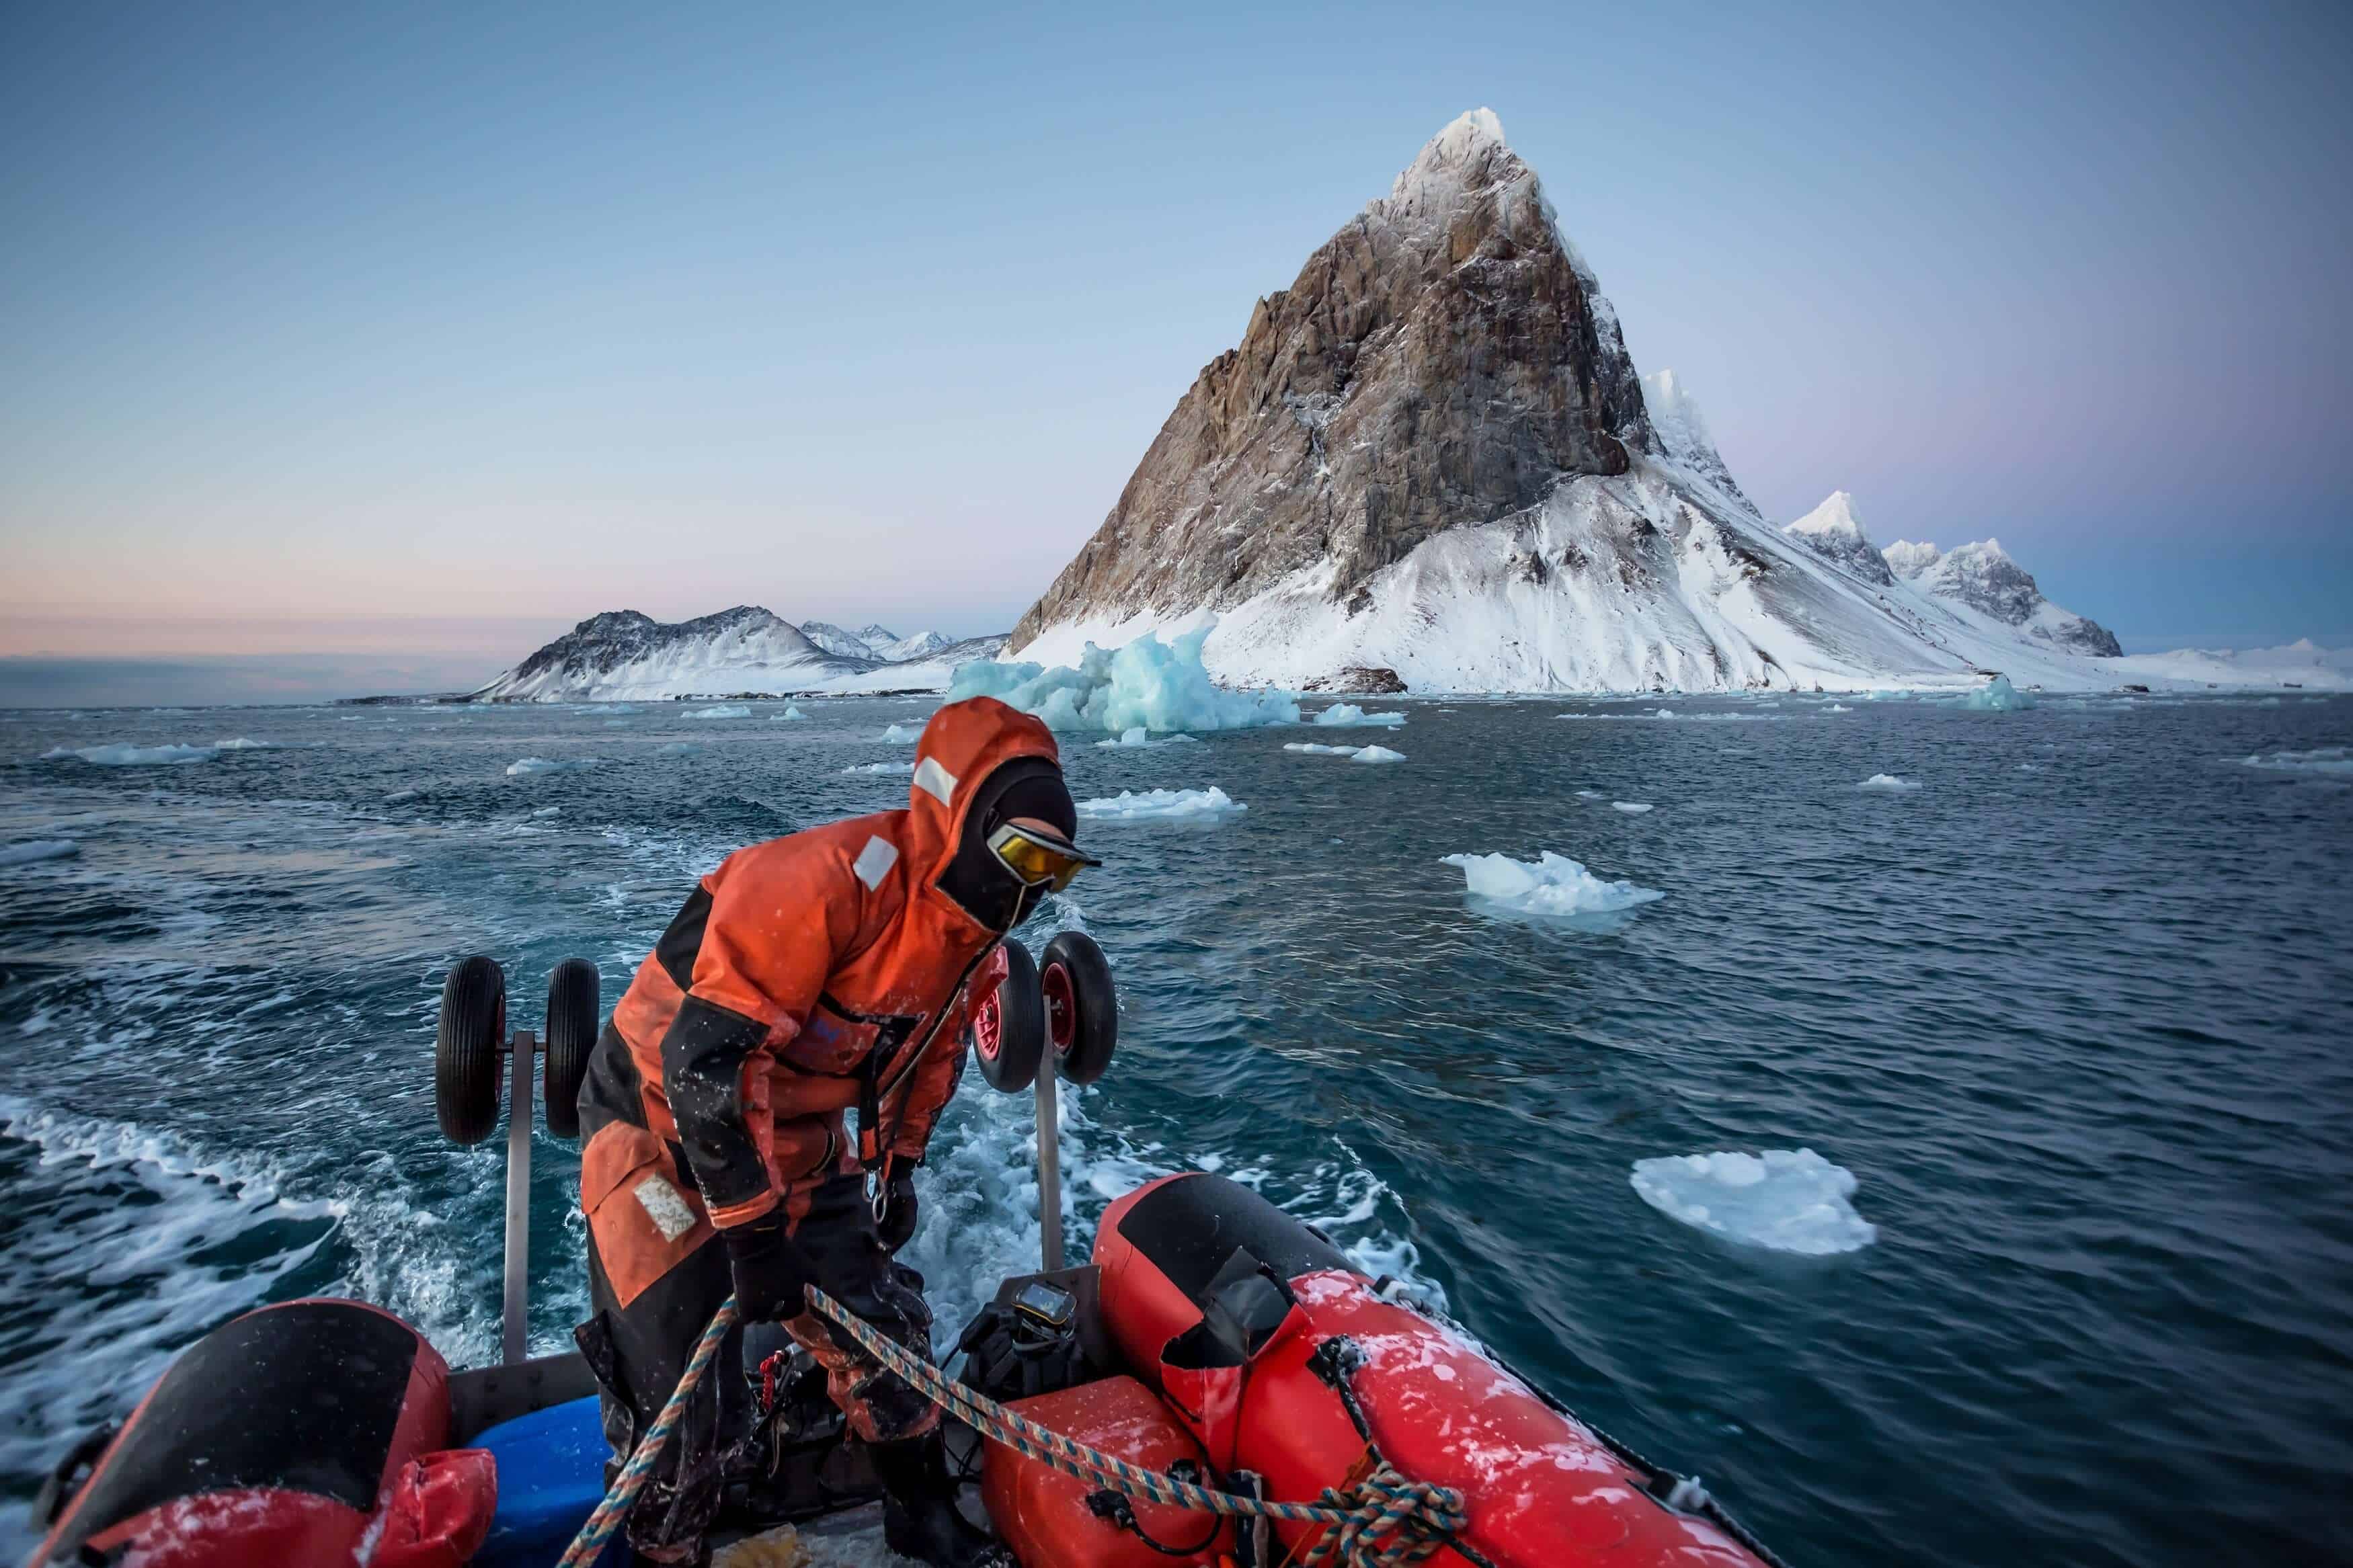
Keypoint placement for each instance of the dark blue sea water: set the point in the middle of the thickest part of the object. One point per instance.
(2075, 1011)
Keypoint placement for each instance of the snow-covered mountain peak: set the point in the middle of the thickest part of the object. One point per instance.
(1834, 532)
(1907, 558)
(1683, 433)
(1467, 160)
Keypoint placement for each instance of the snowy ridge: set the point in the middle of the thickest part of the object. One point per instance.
(622, 655)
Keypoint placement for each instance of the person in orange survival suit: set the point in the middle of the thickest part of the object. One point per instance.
(806, 975)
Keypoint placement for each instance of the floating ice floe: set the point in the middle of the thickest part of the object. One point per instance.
(1347, 715)
(36, 849)
(1630, 807)
(1158, 685)
(1134, 806)
(524, 767)
(1588, 794)
(1549, 885)
(1137, 738)
(1360, 753)
(547, 811)
(901, 735)
(401, 796)
(2334, 761)
(121, 754)
(1792, 1200)
(880, 768)
(1887, 783)
(790, 713)
(725, 710)
(1997, 696)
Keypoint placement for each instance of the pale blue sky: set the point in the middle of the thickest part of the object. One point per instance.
(506, 315)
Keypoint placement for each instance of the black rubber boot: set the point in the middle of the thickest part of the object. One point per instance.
(920, 1519)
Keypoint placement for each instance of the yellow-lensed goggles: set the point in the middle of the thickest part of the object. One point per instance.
(1037, 857)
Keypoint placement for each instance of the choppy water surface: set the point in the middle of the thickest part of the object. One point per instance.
(2075, 1011)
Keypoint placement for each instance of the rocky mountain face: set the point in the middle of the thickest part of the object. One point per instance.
(1431, 460)
(621, 654)
(1443, 359)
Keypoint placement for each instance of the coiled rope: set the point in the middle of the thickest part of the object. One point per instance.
(1384, 1520)
(632, 1480)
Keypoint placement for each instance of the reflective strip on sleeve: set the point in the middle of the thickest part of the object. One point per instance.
(874, 861)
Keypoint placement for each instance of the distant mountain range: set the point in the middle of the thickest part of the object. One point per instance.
(622, 655)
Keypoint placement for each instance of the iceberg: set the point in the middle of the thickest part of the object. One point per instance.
(36, 849)
(1148, 684)
(1549, 885)
(1630, 807)
(1377, 754)
(1997, 696)
(725, 710)
(1887, 783)
(1347, 714)
(1132, 806)
(790, 713)
(123, 755)
(900, 735)
(1790, 1200)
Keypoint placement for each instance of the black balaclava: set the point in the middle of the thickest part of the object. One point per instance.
(976, 879)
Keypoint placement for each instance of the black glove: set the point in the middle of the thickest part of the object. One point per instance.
(894, 1210)
(771, 1271)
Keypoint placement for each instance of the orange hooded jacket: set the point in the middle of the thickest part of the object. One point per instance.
(808, 975)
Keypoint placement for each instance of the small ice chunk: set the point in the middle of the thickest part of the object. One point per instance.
(1379, 754)
(1792, 1200)
(400, 796)
(790, 713)
(34, 849)
(1318, 749)
(1134, 806)
(547, 811)
(1347, 714)
(1588, 794)
(880, 768)
(1838, 707)
(526, 766)
(1630, 807)
(901, 735)
(1887, 783)
(121, 754)
(725, 710)
(1549, 885)
(1664, 713)
(1997, 696)
(2334, 761)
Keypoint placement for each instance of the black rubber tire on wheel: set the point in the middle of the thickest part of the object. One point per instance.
(1081, 1006)
(466, 1050)
(1009, 1026)
(574, 1004)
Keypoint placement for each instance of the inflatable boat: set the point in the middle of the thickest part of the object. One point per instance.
(1212, 1345)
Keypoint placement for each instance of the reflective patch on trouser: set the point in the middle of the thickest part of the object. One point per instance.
(637, 1351)
(854, 1268)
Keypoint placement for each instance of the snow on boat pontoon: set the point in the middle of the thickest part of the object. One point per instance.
(1218, 1346)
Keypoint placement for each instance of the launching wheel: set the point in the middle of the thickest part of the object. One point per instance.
(1082, 1007)
(1008, 1025)
(573, 1004)
(466, 1050)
